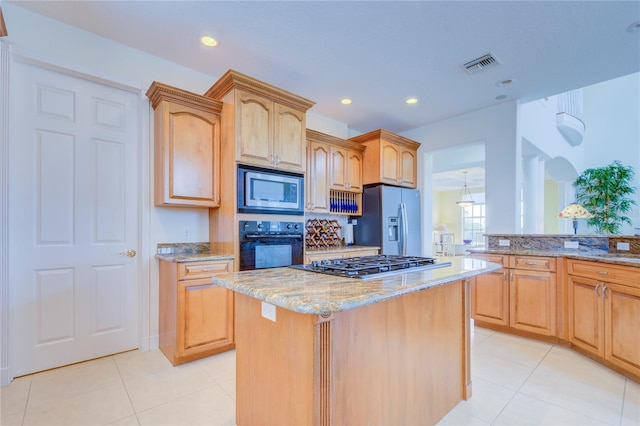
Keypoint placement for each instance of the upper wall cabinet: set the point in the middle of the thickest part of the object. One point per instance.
(187, 147)
(389, 158)
(334, 174)
(267, 125)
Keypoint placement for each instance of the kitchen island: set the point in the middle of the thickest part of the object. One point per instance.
(317, 349)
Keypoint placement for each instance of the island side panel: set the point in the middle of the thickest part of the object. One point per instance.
(275, 366)
(402, 361)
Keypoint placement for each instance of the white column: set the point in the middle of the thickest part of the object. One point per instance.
(533, 194)
(4, 214)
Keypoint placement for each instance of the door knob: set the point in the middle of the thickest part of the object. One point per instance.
(130, 253)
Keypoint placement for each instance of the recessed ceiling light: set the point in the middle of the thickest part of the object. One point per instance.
(345, 101)
(411, 101)
(505, 82)
(209, 41)
(634, 27)
(501, 97)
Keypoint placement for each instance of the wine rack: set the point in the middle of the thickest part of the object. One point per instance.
(322, 233)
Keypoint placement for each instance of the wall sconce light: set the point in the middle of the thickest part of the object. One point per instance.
(575, 211)
(465, 199)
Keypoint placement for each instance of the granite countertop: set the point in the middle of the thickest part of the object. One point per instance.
(194, 257)
(315, 293)
(340, 249)
(612, 258)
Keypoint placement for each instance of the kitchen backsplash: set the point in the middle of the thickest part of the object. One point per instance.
(570, 243)
(183, 248)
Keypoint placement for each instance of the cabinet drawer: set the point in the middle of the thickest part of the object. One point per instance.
(191, 270)
(535, 263)
(604, 272)
(501, 259)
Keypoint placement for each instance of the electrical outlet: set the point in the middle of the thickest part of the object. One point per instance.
(187, 234)
(622, 246)
(504, 243)
(571, 244)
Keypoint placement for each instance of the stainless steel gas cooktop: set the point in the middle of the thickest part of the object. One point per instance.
(368, 267)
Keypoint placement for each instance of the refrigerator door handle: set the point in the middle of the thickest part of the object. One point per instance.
(404, 229)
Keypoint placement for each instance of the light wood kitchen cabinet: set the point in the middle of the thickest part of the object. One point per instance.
(490, 293)
(346, 170)
(522, 296)
(270, 135)
(334, 169)
(267, 125)
(187, 147)
(604, 311)
(532, 301)
(196, 316)
(339, 254)
(389, 159)
(317, 182)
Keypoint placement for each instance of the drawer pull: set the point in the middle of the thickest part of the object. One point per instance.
(602, 272)
(201, 286)
(532, 263)
(208, 269)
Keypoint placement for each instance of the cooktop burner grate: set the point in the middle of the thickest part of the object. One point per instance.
(372, 266)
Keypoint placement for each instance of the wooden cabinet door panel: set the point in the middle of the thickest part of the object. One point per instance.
(289, 139)
(490, 298)
(205, 317)
(354, 171)
(191, 154)
(255, 133)
(586, 316)
(317, 178)
(408, 175)
(390, 163)
(622, 317)
(533, 301)
(338, 167)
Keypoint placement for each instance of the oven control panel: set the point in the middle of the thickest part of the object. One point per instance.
(271, 228)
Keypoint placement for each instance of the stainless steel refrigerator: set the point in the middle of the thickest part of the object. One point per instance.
(390, 220)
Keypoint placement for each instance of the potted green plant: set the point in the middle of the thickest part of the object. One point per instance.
(604, 192)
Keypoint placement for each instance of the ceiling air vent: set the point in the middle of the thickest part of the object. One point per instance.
(478, 64)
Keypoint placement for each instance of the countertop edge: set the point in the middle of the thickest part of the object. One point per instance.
(334, 307)
(193, 257)
(604, 257)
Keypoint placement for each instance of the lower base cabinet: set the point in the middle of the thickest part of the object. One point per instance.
(490, 293)
(520, 297)
(604, 313)
(196, 316)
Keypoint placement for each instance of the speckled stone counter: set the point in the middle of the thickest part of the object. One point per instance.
(601, 248)
(189, 252)
(314, 293)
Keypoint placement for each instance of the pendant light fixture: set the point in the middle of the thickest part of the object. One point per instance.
(464, 199)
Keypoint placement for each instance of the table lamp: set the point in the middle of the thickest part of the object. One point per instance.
(575, 211)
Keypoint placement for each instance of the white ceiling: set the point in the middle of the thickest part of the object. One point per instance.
(380, 53)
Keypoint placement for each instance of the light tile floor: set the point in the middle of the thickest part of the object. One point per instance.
(516, 381)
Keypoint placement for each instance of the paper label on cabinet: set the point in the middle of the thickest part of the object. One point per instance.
(269, 311)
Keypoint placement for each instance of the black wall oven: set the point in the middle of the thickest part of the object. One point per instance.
(270, 244)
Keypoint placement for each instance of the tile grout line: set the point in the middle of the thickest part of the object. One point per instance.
(133, 407)
(523, 383)
(551, 403)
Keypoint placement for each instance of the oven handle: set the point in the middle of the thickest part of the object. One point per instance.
(272, 236)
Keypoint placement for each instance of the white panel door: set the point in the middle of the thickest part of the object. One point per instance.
(73, 211)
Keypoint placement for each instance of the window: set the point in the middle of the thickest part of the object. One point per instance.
(473, 223)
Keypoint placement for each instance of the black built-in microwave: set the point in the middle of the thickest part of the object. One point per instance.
(270, 191)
